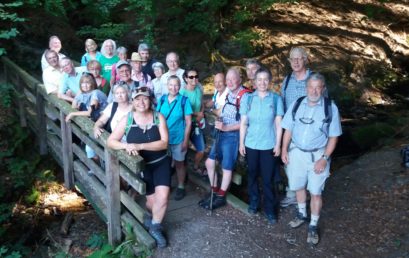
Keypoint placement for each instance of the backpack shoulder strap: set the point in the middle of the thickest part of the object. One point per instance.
(156, 120)
(162, 100)
(128, 123)
(249, 101)
(327, 110)
(296, 106)
(287, 80)
(240, 94)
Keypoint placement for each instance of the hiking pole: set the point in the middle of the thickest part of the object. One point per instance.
(216, 145)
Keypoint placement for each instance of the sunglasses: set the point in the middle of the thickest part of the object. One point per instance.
(193, 77)
(142, 89)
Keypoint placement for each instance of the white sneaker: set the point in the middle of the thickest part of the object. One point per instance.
(288, 201)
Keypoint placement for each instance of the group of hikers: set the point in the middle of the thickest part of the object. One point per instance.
(152, 112)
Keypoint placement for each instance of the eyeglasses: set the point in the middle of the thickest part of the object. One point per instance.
(193, 76)
(293, 60)
(306, 120)
(142, 89)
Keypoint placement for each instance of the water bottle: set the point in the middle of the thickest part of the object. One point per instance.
(197, 130)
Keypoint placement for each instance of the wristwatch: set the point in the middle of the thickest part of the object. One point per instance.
(326, 157)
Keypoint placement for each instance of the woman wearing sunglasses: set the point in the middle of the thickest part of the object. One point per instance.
(194, 93)
(260, 140)
(146, 135)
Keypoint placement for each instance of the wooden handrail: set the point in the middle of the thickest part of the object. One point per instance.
(71, 156)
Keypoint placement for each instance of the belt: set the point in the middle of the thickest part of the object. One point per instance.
(156, 160)
(311, 151)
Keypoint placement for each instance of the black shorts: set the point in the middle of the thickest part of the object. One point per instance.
(157, 174)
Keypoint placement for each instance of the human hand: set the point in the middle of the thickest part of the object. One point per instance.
(131, 149)
(242, 150)
(276, 151)
(218, 125)
(284, 157)
(320, 165)
(97, 132)
(68, 117)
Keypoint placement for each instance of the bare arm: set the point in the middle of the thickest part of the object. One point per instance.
(188, 127)
(243, 131)
(99, 124)
(65, 97)
(284, 150)
(320, 164)
(279, 134)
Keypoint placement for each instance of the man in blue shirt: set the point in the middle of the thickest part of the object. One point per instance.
(292, 88)
(70, 82)
(309, 140)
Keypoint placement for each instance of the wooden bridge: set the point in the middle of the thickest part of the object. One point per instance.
(102, 188)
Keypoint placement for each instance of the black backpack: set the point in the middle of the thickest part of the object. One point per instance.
(327, 109)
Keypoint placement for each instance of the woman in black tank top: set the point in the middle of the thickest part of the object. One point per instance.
(146, 135)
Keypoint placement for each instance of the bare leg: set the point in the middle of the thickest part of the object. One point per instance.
(210, 166)
(198, 157)
(226, 180)
(160, 203)
(181, 172)
(301, 196)
(316, 204)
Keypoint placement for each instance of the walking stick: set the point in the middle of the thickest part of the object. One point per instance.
(216, 145)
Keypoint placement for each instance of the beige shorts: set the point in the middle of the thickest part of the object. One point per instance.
(300, 171)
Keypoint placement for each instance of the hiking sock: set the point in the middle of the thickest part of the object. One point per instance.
(302, 208)
(155, 222)
(215, 189)
(221, 192)
(314, 220)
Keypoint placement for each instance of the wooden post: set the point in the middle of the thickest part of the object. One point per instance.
(67, 155)
(113, 198)
(41, 122)
(21, 99)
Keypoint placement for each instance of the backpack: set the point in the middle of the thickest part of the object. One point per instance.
(113, 110)
(162, 100)
(327, 109)
(238, 100)
(129, 120)
(405, 156)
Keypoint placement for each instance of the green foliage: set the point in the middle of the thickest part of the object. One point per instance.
(369, 135)
(9, 19)
(6, 253)
(123, 250)
(96, 241)
(6, 91)
(246, 40)
(104, 31)
(33, 196)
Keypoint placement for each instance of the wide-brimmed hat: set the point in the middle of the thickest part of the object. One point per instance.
(121, 63)
(144, 91)
(136, 57)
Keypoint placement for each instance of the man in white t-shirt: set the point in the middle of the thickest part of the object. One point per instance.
(52, 74)
(173, 62)
(220, 92)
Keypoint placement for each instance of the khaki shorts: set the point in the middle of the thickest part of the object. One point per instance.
(300, 171)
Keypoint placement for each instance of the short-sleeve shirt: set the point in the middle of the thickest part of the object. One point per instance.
(106, 64)
(88, 97)
(165, 77)
(295, 89)
(261, 114)
(306, 135)
(194, 96)
(71, 82)
(173, 113)
(219, 99)
(86, 58)
(117, 116)
(230, 113)
(52, 79)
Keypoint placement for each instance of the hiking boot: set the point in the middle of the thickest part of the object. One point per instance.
(218, 201)
(251, 210)
(147, 221)
(271, 218)
(180, 194)
(156, 232)
(288, 201)
(205, 200)
(313, 237)
(297, 221)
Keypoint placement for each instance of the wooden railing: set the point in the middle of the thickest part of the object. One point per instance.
(45, 115)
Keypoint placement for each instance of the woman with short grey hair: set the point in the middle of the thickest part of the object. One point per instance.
(159, 70)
